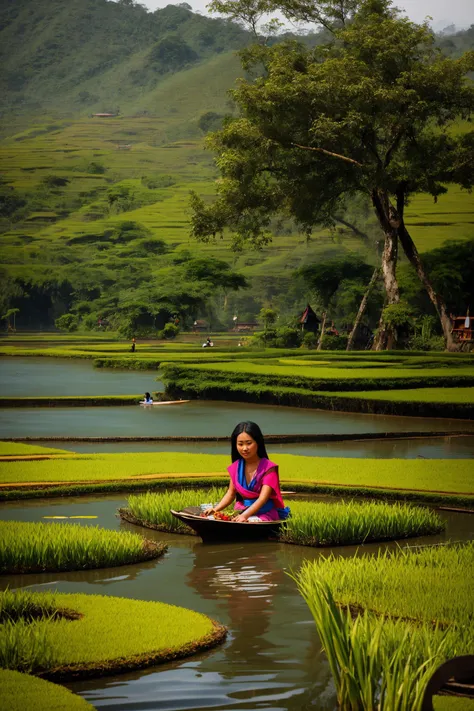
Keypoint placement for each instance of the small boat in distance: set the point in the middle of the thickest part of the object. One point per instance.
(217, 531)
(164, 402)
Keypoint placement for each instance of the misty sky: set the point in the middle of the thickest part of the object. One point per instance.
(443, 12)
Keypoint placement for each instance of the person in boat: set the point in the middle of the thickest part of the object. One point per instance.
(254, 481)
(148, 400)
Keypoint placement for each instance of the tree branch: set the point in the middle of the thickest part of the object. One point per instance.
(329, 153)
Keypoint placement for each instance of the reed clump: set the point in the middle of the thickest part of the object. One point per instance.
(375, 663)
(39, 547)
(418, 611)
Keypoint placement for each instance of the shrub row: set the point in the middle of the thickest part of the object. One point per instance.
(187, 387)
(71, 401)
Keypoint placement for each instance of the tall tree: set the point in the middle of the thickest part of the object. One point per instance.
(369, 113)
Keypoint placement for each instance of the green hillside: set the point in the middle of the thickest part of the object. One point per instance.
(94, 211)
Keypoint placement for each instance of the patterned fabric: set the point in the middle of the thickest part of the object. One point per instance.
(247, 494)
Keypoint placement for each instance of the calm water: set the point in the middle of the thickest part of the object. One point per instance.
(271, 659)
(204, 417)
(45, 376)
(423, 448)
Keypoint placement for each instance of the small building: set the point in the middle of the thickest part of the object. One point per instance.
(463, 330)
(309, 321)
(104, 115)
(245, 326)
(200, 325)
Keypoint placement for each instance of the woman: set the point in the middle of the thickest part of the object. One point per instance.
(254, 482)
(148, 400)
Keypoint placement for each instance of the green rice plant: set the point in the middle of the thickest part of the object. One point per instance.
(448, 476)
(35, 547)
(348, 523)
(24, 646)
(23, 691)
(19, 449)
(106, 633)
(155, 509)
(375, 664)
(429, 584)
(25, 604)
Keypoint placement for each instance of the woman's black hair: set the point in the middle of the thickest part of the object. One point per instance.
(147, 396)
(252, 429)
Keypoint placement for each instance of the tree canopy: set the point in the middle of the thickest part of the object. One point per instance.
(371, 112)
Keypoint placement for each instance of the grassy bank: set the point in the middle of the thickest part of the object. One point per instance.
(96, 635)
(51, 547)
(311, 524)
(23, 691)
(428, 476)
(70, 401)
(19, 449)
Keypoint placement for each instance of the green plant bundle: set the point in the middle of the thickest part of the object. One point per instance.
(23, 691)
(35, 547)
(349, 523)
(155, 508)
(375, 663)
(432, 584)
(102, 633)
(311, 524)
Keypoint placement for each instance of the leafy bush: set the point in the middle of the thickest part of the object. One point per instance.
(310, 340)
(67, 322)
(334, 343)
(170, 331)
(95, 168)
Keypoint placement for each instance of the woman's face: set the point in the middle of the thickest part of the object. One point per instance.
(246, 446)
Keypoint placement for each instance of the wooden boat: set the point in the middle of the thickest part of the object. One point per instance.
(215, 531)
(164, 402)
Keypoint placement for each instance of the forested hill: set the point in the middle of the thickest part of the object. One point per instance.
(79, 56)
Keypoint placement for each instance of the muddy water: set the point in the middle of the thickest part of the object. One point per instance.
(271, 659)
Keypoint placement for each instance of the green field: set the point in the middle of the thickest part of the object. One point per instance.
(452, 476)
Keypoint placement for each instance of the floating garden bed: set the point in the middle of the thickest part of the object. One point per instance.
(18, 449)
(418, 611)
(95, 635)
(311, 524)
(23, 691)
(44, 547)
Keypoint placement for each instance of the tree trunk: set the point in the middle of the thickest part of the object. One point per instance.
(321, 335)
(362, 307)
(411, 252)
(387, 336)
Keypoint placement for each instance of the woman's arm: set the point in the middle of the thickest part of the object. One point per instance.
(256, 506)
(226, 500)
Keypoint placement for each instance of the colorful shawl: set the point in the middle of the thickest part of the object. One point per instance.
(267, 473)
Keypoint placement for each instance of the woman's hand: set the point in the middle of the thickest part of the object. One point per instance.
(210, 512)
(241, 518)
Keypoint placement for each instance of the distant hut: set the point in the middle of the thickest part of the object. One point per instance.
(309, 321)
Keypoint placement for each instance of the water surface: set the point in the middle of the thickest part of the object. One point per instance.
(205, 418)
(55, 377)
(423, 448)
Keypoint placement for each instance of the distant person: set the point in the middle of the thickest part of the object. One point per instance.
(147, 400)
(208, 343)
(134, 345)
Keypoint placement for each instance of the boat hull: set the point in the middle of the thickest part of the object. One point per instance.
(212, 531)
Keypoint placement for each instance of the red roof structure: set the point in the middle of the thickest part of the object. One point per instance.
(308, 320)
